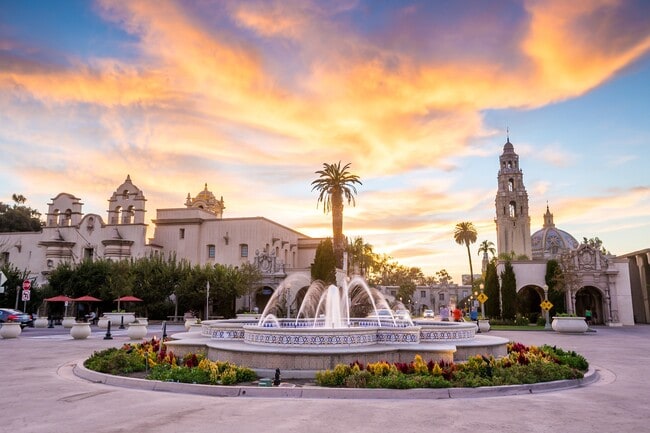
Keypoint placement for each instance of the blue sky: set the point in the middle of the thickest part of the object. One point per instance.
(252, 97)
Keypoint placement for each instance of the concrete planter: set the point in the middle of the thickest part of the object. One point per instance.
(80, 331)
(41, 322)
(136, 331)
(190, 322)
(10, 330)
(574, 325)
(68, 322)
(102, 323)
(484, 325)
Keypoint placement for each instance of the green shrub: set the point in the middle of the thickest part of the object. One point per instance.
(115, 361)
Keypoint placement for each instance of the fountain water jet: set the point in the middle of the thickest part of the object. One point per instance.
(325, 333)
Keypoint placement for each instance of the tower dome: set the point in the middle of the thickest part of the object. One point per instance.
(550, 241)
(206, 200)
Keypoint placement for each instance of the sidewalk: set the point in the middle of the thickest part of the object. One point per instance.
(39, 393)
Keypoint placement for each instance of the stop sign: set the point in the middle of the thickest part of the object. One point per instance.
(27, 284)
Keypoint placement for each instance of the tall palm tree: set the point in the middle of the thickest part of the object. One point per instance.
(465, 234)
(333, 184)
(484, 248)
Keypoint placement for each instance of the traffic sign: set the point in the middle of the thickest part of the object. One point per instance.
(27, 284)
(26, 294)
(482, 298)
(546, 305)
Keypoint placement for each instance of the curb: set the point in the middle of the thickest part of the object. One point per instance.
(315, 392)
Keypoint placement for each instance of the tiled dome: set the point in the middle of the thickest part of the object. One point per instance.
(550, 241)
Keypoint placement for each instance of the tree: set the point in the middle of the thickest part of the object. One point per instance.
(487, 247)
(492, 308)
(360, 255)
(555, 296)
(465, 234)
(335, 183)
(19, 218)
(324, 266)
(596, 243)
(508, 292)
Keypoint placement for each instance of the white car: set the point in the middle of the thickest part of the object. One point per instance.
(428, 314)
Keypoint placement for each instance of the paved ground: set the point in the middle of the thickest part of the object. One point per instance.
(39, 393)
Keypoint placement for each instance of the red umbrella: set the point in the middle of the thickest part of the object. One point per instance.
(87, 298)
(128, 299)
(59, 298)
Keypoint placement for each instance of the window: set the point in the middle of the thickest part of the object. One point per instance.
(513, 209)
(393, 292)
(441, 297)
(243, 250)
(423, 293)
(4, 258)
(511, 185)
(89, 253)
(465, 294)
(181, 233)
(211, 251)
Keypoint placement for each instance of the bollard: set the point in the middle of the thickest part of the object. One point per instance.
(50, 323)
(108, 332)
(478, 330)
(164, 331)
(122, 322)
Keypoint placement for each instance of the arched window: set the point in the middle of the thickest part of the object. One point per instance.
(513, 209)
(125, 194)
(509, 164)
(116, 219)
(511, 185)
(67, 219)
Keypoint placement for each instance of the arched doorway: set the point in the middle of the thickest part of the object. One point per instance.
(529, 299)
(262, 296)
(590, 298)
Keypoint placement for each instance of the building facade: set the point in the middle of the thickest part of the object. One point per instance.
(196, 232)
(601, 283)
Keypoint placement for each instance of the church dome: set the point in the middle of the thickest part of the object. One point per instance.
(206, 200)
(550, 241)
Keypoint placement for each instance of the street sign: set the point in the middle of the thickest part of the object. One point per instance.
(27, 284)
(26, 294)
(482, 298)
(546, 305)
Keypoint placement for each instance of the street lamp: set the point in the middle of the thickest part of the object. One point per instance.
(547, 325)
(482, 303)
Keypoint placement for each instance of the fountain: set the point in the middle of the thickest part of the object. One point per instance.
(333, 325)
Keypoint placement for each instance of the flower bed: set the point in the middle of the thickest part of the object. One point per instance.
(523, 365)
(153, 358)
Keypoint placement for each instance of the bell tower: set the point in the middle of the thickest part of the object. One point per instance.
(512, 219)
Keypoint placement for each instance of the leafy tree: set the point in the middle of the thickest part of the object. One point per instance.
(595, 243)
(508, 292)
(333, 184)
(19, 218)
(465, 234)
(360, 255)
(491, 290)
(443, 277)
(485, 248)
(555, 294)
(324, 266)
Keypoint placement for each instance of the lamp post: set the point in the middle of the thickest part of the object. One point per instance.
(288, 301)
(547, 325)
(482, 286)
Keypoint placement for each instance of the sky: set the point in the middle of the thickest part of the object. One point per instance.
(252, 97)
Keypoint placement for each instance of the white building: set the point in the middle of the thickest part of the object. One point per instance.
(196, 232)
(603, 284)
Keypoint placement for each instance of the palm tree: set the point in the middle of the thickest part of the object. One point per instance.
(465, 234)
(333, 184)
(485, 248)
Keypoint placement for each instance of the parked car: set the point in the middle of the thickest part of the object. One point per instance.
(428, 314)
(11, 315)
(402, 315)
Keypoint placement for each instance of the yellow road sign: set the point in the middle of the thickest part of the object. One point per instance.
(482, 298)
(546, 305)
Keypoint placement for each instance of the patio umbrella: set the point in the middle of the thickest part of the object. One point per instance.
(60, 298)
(87, 298)
(127, 298)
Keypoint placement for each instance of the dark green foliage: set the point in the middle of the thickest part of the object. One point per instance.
(492, 291)
(166, 373)
(509, 291)
(555, 295)
(324, 266)
(19, 218)
(115, 361)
